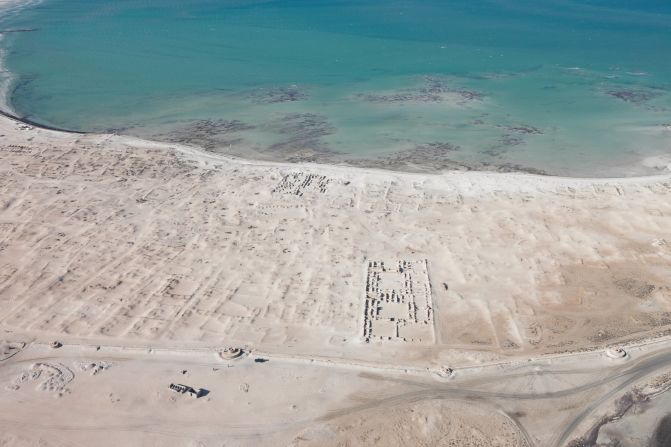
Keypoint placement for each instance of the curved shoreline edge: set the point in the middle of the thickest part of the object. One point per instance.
(638, 162)
(29, 122)
(203, 155)
(7, 113)
(10, 7)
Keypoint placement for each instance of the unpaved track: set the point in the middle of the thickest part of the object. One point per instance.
(478, 389)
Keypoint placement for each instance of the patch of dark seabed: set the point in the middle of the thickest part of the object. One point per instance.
(503, 145)
(302, 138)
(423, 157)
(439, 85)
(277, 95)
(522, 129)
(299, 138)
(432, 90)
(298, 131)
(208, 134)
(634, 96)
(436, 157)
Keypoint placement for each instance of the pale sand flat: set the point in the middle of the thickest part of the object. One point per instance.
(126, 242)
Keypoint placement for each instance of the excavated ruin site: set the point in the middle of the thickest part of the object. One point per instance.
(156, 294)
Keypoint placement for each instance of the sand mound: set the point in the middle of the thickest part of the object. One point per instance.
(424, 423)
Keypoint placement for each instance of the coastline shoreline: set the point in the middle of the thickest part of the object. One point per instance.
(406, 161)
(6, 77)
(28, 122)
(203, 154)
(371, 165)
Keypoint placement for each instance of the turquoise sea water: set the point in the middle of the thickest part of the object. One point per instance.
(567, 86)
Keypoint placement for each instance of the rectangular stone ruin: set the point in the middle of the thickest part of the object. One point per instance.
(397, 304)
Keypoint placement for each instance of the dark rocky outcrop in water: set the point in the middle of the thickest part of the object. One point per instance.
(423, 157)
(300, 139)
(276, 95)
(523, 129)
(633, 96)
(436, 148)
(436, 85)
(400, 97)
(434, 157)
(434, 90)
(301, 131)
(505, 143)
(208, 134)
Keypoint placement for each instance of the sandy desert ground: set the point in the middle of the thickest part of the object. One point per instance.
(374, 307)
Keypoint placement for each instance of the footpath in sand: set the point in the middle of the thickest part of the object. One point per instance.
(111, 241)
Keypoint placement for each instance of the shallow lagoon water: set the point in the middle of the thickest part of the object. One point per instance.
(566, 87)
